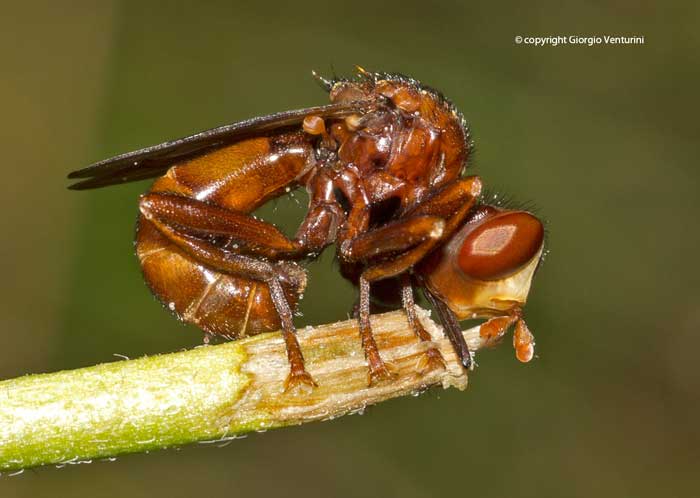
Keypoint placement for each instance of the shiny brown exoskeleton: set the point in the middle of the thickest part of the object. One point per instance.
(383, 166)
(483, 270)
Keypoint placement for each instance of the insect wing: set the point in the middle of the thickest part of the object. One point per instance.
(155, 160)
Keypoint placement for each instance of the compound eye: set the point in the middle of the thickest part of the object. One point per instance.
(501, 245)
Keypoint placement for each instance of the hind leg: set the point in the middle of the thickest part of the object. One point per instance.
(189, 232)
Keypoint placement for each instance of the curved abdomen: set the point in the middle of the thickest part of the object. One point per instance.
(240, 177)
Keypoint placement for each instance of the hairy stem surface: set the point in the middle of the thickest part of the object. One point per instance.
(210, 393)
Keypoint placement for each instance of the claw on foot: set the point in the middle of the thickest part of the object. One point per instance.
(299, 383)
(384, 372)
(430, 360)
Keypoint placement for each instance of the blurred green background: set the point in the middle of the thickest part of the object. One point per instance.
(603, 139)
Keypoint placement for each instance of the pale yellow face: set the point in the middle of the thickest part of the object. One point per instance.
(482, 273)
(494, 297)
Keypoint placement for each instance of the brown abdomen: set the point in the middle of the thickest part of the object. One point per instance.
(239, 177)
(215, 302)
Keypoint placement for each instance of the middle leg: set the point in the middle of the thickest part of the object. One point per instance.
(414, 237)
(378, 369)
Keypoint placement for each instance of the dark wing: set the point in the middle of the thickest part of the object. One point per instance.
(155, 160)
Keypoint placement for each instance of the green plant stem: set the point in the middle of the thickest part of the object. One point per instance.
(209, 393)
